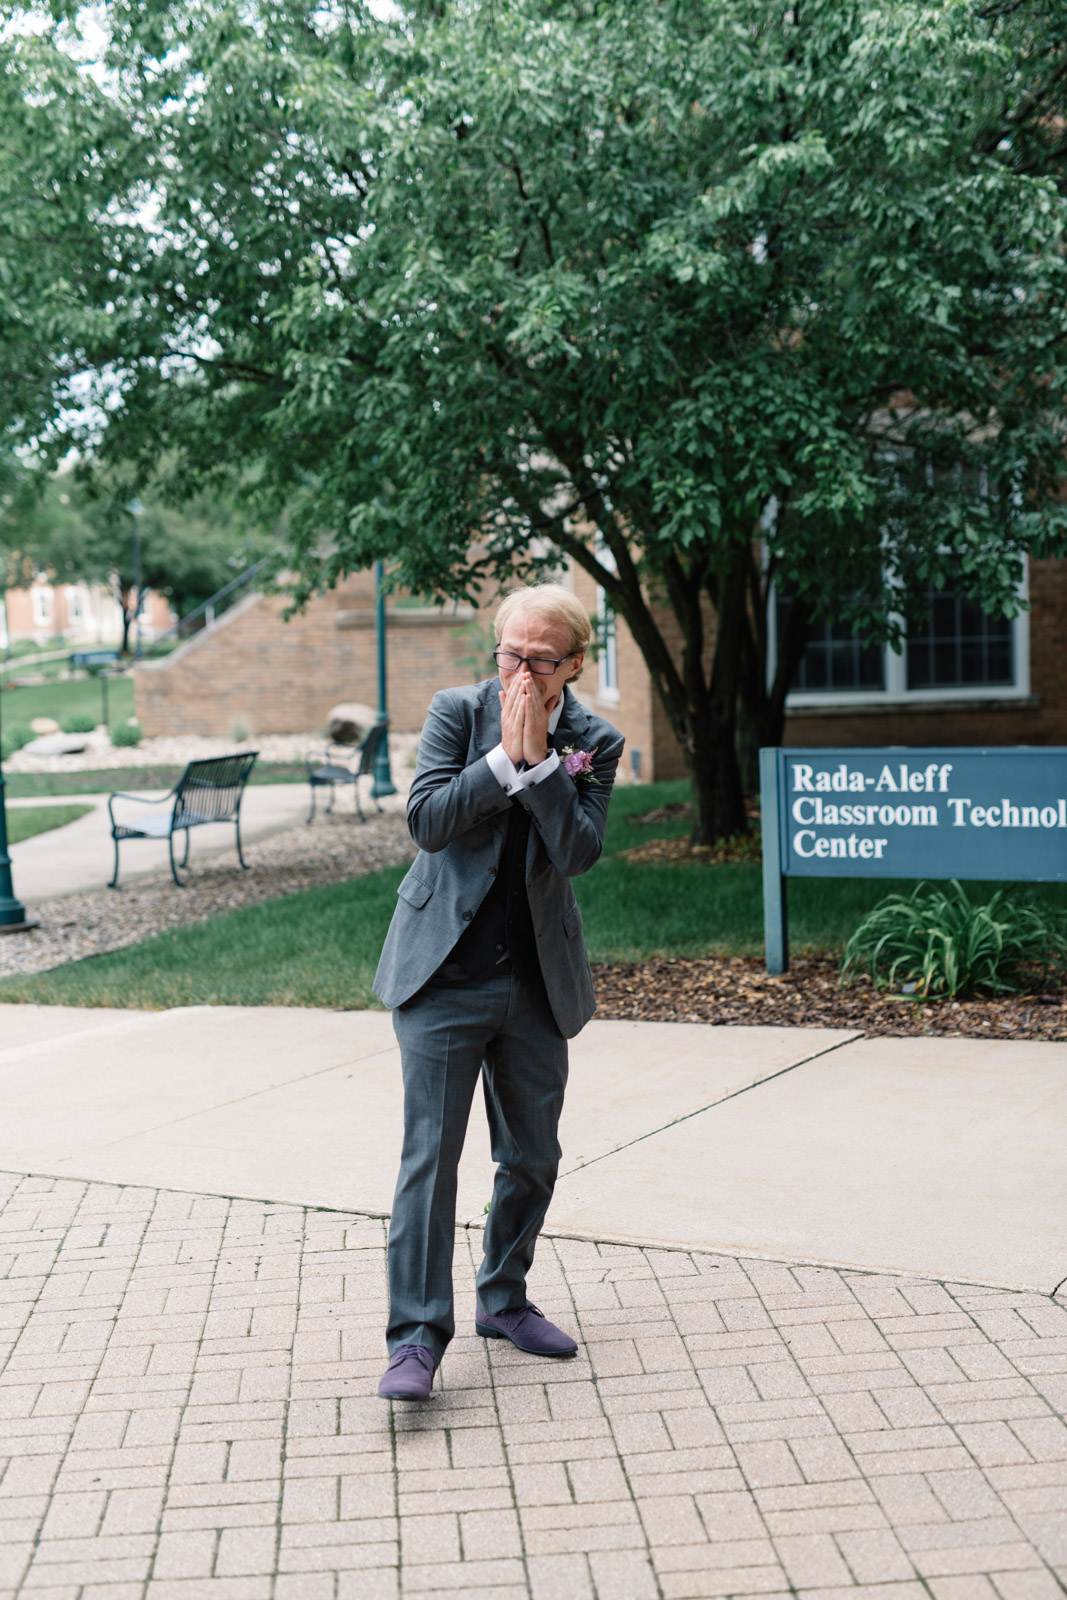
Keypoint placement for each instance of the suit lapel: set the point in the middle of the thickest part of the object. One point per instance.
(485, 734)
(573, 724)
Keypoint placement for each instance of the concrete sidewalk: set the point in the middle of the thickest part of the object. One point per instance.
(937, 1156)
(192, 1299)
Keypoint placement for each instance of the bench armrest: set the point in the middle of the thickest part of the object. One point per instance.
(146, 799)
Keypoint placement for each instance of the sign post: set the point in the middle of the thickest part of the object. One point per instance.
(907, 813)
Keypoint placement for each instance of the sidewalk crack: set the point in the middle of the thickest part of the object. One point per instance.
(686, 1116)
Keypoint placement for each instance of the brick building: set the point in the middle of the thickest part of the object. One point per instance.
(82, 612)
(254, 669)
(965, 679)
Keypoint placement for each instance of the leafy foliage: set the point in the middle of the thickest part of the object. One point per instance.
(78, 722)
(469, 285)
(78, 527)
(13, 738)
(937, 942)
(124, 735)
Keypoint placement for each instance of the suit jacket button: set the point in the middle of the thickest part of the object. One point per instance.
(492, 872)
(468, 916)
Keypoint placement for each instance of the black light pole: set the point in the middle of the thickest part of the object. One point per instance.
(383, 777)
(136, 508)
(13, 918)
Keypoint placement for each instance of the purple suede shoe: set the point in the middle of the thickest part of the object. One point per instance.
(528, 1329)
(409, 1375)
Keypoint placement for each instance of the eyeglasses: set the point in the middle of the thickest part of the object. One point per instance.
(543, 666)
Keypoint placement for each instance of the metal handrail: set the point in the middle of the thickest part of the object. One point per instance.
(208, 608)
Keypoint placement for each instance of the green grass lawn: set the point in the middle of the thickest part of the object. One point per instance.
(65, 696)
(25, 821)
(320, 948)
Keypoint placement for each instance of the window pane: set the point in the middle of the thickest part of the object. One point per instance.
(835, 661)
(959, 646)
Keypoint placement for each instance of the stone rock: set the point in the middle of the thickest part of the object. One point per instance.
(43, 725)
(348, 722)
(57, 744)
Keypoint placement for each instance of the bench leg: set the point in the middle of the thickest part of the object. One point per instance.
(113, 882)
(240, 856)
(185, 858)
(311, 813)
(173, 868)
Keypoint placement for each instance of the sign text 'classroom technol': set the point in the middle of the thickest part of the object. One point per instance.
(996, 813)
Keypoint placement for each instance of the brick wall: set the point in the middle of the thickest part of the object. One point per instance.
(283, 677)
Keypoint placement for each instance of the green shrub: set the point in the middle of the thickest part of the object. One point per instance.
(126, 734)
(14, 738)
(937, 943)
(78, 722)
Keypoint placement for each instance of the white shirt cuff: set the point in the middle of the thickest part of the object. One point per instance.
(544, 769)
(510, 779)
(503, 770)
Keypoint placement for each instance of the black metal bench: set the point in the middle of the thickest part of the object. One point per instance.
(207, 791)
(336, 765)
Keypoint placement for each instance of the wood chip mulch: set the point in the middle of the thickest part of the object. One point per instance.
(742, 847)
(738, 990)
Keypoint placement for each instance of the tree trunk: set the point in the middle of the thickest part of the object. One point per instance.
(761, 719)
(718, 795)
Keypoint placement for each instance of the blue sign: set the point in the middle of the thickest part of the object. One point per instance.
(94, 658)
(908, 813)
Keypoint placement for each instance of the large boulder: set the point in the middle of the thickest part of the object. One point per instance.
(349, 722)
(57, 744)
(44, 725)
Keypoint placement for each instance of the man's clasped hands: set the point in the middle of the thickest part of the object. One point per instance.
(524, 718)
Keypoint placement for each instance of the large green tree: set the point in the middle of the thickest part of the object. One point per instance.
(704, 294)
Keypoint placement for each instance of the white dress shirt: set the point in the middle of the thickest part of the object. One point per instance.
(509, 777)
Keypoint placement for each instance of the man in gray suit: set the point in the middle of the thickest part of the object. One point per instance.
(486, 972)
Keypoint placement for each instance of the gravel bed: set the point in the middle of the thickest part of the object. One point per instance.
(100, 754)
(739, 990)
(88, 924)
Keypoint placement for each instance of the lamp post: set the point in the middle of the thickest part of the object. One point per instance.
(383, 777)
(136, 509)
(13, 918)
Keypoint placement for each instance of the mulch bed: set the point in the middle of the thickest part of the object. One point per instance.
(743, 847)
(738, 990)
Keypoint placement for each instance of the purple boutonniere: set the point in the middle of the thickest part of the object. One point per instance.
(578, 764)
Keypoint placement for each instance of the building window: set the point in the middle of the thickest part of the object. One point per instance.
(835, 659)
(959, 646)
(957, 652)
(74, 605)
(607, 660)
(42, 606)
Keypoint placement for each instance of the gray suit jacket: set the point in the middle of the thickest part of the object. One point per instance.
(458, 816)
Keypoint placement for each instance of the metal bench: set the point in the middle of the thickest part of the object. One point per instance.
(336, 765)
(207, 791)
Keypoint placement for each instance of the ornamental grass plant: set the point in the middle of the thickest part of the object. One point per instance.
(937, 943)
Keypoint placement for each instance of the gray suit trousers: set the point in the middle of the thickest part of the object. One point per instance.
(448, 1036)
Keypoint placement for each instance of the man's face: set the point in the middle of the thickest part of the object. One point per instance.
(527, 634)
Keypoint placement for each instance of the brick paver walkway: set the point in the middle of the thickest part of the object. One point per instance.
(187, 1410)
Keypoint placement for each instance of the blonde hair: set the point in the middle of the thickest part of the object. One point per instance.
(553, 603)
